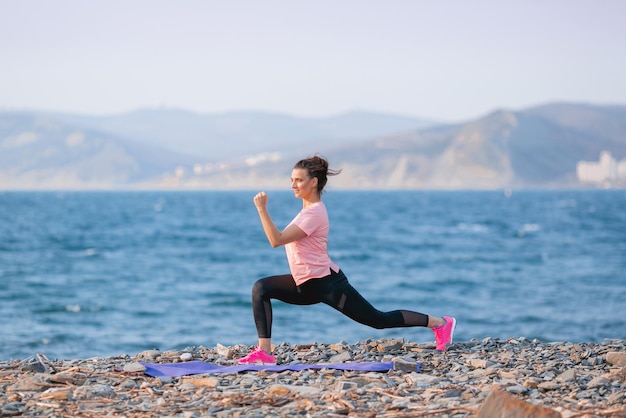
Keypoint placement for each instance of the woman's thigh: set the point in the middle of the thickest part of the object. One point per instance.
(284, 288)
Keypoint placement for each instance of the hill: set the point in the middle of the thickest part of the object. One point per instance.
(535, 147)
(224, 136)
(532, 148)
(41, 150)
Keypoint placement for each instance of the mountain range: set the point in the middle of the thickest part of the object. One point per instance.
(177, 149)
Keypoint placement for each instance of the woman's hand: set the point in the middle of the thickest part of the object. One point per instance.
(260, 200)
(275, 236)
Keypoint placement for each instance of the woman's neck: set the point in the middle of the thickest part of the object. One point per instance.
(311, 200)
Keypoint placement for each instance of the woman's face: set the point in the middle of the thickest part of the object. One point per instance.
(303, 186)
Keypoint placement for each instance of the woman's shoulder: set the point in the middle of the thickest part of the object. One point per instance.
(317, 207)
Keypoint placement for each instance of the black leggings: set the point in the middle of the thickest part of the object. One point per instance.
(333, 290)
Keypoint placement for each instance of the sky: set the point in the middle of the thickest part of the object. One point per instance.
(438, 59)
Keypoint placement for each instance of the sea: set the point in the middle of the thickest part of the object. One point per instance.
(98, 274)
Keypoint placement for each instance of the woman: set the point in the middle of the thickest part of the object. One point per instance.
(314, 277)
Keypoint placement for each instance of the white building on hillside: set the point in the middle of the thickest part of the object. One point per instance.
(621, 170)
(605, 171)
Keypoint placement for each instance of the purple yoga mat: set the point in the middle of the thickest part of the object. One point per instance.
(200, 367)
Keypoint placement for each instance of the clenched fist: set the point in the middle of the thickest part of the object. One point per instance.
(260, 200)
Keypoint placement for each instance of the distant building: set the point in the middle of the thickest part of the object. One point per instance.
(604, 172)
(621, 170)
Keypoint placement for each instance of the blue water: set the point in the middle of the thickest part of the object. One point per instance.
(86, 274)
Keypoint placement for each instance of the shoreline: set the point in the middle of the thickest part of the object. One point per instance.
(559, 378)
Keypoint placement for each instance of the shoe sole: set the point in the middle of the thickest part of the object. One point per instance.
(261, 363)
(451, 333)
(451, 336)
(256, 363)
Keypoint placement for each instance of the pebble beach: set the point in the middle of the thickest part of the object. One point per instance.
(478, 378)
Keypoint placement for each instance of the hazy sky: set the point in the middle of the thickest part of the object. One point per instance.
(446, 60)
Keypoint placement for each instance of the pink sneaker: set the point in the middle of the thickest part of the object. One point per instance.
(444, 333)
(258, 356)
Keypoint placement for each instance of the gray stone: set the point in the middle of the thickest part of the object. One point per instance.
(341, 357)
(597, 382)
(94, 391)
(390, 345)
(12, 409)
(481, 363)
(400, 403)
(128, 384)
(517, 389)
(224, 351)
(36, 383)
(134, 368)
(406, 366)
(567, 376)
(453, 394)
(150, 354)
(549, 386)
(345, 385)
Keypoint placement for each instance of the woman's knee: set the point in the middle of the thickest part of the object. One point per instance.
(258, 289)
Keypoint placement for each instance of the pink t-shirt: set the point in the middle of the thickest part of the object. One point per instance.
(308, 257)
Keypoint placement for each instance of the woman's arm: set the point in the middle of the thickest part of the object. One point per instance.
(273, 234)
